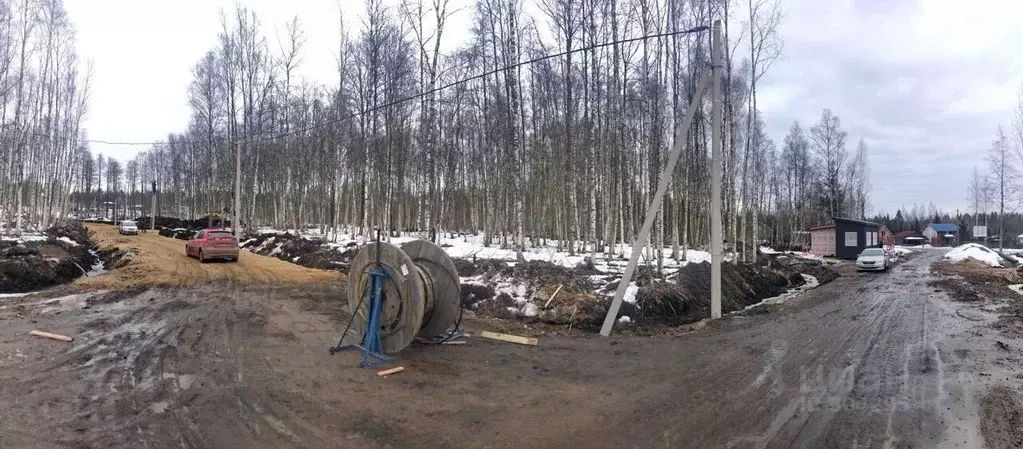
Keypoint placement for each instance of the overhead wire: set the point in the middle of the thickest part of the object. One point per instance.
(408, 98)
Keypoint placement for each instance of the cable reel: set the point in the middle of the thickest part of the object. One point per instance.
(420, 292)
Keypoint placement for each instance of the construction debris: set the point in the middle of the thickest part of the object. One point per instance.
(508, 338)
(51, 336)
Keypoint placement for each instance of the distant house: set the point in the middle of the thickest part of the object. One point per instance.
(845, 238)
(941, 234)
(910, 238)
(884, 235)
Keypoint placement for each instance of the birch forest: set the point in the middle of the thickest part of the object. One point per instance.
(44, 96)
(563, 150)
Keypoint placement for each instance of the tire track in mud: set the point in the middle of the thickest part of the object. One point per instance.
(169, 374)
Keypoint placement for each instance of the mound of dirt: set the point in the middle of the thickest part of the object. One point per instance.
(1002, 418)
(30, 266)
(299, 250)
(688, 299)
(584, 294)
(794, 264)
(178, 233)
(179, 223)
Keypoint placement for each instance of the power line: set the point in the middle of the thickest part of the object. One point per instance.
(698, 29)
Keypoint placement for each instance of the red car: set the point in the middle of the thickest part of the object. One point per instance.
(210, 244)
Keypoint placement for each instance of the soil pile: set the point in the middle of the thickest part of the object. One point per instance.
(1002, 418)
(795, 264)
(172, 223)
(29, 266)
(583, 295)
(301, 251)
(687, 299)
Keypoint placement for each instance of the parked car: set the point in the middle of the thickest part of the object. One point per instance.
(210, 244)
(872, 259)
(127, 227)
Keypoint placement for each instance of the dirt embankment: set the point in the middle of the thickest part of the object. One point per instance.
(33, 265)
(300, 250)
(1002, 418)
(148, 260)
(974, 281)
(584, 294)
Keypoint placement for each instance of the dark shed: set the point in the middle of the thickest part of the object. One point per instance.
(853, 236)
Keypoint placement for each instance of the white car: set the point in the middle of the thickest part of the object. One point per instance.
(128, 227)
(872, 259)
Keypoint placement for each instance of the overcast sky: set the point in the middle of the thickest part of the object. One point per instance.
(924, 82)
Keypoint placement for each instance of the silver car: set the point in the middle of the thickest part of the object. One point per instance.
(128, 227)
(872, 259)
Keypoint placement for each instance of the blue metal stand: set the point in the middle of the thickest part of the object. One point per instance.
(371, 347)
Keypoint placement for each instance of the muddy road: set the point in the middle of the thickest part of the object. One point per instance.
(149, 259)
(868, 361)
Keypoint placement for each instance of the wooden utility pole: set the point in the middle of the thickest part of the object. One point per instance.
(655, 206)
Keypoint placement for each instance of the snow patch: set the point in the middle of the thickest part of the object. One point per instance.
(901, 251)
(630, 293)
(974, 251)
(810, 282)
(67, 240)
(801, 254)
(530, 310)
(277, 250)
(624, 319)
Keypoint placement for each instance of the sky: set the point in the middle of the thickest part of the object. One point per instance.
(925, 83)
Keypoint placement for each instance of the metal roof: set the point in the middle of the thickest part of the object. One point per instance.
(854, 221)
(943, 227)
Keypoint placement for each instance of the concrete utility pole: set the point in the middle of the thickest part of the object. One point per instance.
(236, 222)
(715, 183)
(152, 212)
(655, 206)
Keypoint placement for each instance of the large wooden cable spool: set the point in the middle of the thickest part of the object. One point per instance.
(421, 292)
(440, 277)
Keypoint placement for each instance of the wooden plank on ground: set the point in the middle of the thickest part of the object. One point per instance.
(388, 372)
(508, 338)
(38, 333)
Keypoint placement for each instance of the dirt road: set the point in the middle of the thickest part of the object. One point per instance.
(150, 259)
(867, 361)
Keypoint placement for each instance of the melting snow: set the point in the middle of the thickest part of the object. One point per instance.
(630, 293)
(811, 282)
(975, 251)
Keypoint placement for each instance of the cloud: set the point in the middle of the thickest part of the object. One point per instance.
(925, 83)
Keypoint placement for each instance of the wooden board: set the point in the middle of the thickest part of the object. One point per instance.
(388, 372)
(508, 338)
(51, 336)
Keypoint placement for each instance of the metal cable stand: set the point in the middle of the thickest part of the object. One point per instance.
(397, 295)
